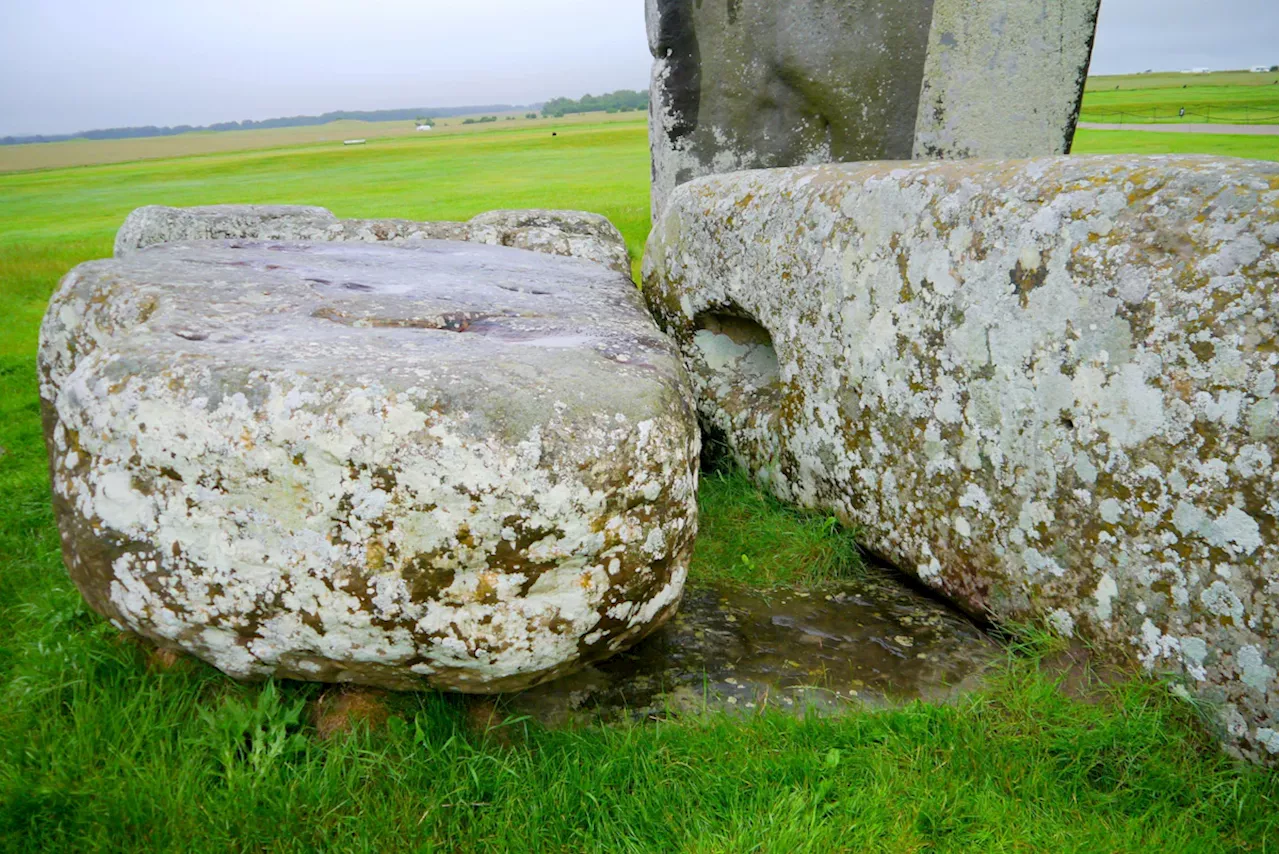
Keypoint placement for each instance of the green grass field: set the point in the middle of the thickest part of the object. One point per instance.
(105, 747)
(1223, 97)
(1153, 142)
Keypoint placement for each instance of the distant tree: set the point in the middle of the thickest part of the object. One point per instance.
(413, 113)
(612, 102)
(530, 115)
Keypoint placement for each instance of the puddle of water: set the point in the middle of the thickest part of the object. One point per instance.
(850, 645)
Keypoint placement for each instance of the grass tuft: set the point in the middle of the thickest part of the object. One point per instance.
(750, 538)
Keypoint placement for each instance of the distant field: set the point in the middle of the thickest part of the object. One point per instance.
(86, 152)
(1223, 97)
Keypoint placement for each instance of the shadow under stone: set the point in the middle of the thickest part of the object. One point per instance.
(861, 644)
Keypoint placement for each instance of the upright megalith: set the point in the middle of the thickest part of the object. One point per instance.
(1046, 387)
(440, 464)
(744, 84)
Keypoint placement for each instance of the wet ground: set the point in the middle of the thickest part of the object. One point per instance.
(856, 644)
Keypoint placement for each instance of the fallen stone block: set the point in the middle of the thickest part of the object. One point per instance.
(575, 234)
(444, 464)
(1045, 387)
(749, 84)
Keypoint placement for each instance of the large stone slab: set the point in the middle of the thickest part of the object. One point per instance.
(853, 645)
(575, 234)
(445, 464)
(745, 84)
(1046, 387)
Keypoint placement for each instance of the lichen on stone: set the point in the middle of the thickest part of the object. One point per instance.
(573, 234)
(1046, 387)
(443, 464)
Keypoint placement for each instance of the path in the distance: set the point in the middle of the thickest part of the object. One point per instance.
(1246, 130)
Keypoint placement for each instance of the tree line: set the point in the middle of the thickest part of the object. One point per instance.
(613, 102)
(416, 114)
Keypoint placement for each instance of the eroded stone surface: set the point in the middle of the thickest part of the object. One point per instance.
(445, 464)
(746, 84)
(863, 644)
(575, 234)
(1046, 387)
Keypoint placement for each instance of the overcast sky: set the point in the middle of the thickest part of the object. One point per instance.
(69, 65)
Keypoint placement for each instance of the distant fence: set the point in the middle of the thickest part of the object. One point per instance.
(1209, 114)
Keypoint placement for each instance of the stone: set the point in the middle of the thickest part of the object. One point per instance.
(344, 710)
(575, 234)
(863, 644)
(745, 84)
(443, 464)
(1045, 387)
(155, 224)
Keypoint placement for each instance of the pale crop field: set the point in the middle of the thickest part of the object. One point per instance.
(89, 152)
(103, 746)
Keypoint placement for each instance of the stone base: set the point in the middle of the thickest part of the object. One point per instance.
(854, 645)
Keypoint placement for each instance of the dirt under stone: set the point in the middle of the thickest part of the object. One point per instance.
(843, 646)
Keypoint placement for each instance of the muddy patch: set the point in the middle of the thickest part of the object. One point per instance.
(866, 644)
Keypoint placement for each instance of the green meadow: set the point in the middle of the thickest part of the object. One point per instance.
(1221, 97)
(106, 746)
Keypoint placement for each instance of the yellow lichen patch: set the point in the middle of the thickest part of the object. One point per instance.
(487, 588)
(375, 556)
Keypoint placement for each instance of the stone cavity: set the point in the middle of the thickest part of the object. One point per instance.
(860, 644)
(443, 464)
(574, 234)
(747, 84)
(1046, 387)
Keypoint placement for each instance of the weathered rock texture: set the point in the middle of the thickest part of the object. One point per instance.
(575, 234)
(1046, 387)
(463, 466)
(744, 84)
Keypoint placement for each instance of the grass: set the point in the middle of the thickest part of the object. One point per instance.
(1224, 97)
(102, 749)
(747, 537)
(1153, 142)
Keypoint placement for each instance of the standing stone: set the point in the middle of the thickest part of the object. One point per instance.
(444, 464)
(1046, 387)
(574, 234)
(744, 84)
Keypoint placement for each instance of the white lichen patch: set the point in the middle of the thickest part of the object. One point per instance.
(1047, 386)
(444, 465)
